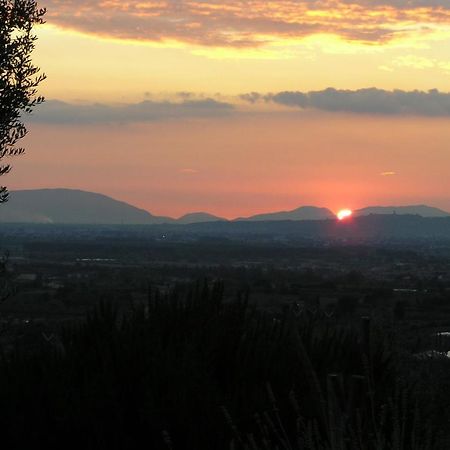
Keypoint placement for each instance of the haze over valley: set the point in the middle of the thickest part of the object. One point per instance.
(69, 206)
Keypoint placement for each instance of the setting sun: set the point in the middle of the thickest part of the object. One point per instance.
(344, 214)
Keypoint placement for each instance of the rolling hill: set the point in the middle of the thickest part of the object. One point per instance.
(70, 206)
(417, 210)
(199, 217)
(302, 213)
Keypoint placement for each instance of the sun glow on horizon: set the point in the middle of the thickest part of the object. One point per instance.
(344, 214)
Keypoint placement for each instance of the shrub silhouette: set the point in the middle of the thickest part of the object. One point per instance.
(191, 370)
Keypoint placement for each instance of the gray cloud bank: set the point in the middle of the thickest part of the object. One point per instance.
(430, 103)
(58, 112)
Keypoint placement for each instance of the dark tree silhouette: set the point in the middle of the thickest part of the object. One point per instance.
(19, 78)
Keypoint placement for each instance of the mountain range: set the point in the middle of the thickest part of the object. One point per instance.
(302, 213)
(70, 206)
(416, 210)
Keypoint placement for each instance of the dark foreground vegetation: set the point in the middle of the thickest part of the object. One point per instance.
(191, 370)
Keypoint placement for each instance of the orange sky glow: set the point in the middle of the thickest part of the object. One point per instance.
(244, 165)
(225, 107)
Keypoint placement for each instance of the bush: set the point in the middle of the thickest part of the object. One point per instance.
(193, 371)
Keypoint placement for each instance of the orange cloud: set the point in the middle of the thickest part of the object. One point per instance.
(250, 23)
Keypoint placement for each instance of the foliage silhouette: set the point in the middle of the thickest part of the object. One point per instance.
(19, 78)
(193, 370)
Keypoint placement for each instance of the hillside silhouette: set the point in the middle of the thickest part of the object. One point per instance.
(302, 213)
(71, 206)
(420, 210)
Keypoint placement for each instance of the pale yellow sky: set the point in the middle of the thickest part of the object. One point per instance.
(87, 68)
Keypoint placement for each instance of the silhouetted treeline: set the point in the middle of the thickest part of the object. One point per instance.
(189, 370)
(392, 229)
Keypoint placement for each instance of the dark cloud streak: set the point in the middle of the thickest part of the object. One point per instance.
(430, 103)
(57, 112)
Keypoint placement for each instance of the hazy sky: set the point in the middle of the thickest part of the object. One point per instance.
(240, 107)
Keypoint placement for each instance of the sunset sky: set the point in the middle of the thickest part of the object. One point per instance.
(241, 107)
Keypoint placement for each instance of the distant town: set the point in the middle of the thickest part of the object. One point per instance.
(57, 273)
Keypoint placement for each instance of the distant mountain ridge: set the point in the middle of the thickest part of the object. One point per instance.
(418, 210)
(71, 206)
(302, 213)
(199, 217)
